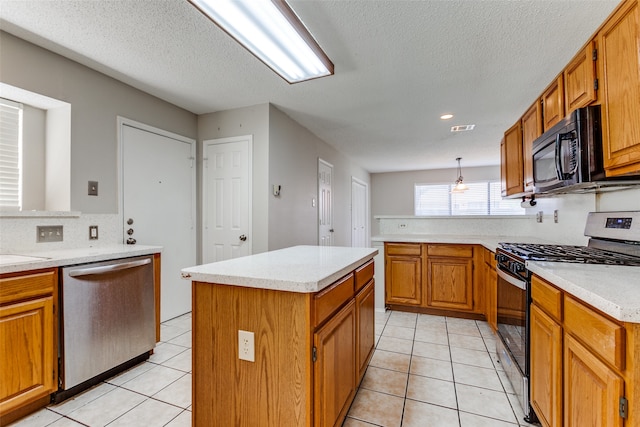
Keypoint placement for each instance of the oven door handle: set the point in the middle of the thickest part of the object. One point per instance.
(522, 284)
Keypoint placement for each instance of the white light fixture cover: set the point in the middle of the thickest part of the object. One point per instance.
(272, 32)
(460, 187)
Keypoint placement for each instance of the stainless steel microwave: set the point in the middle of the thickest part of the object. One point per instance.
(570, 153)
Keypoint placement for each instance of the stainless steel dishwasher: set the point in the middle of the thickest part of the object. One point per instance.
(107, 320)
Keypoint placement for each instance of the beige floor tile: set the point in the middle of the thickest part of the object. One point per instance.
(470, 329)
(182, 420)
(41, 418)
(181, 362)
(420, 414)
(433, 351)
(148, 413)
(467, 341)
(517, 408)
(184, 340)
(184, 321)
(432, 390)
(506, 384)
(130, 374)
(153, 380)
(488, 403)
(426, 367)
(168, 332)
(473, 420)
(424, 319)
(352, 422)
(390, 360)
(476, 376)
(177, 393)
(165, 351)
(395, 344)
(65, 422)
(407, 320)
(433, 336)
(82, 399)
(377, 408)
(107, 408)
(385, 381)
(398, 332)
(471, 357)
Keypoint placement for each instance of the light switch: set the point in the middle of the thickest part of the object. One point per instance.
(93, 188)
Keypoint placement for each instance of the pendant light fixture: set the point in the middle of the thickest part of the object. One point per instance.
(460, 187)
(271, 31)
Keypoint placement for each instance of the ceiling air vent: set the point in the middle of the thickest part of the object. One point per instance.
(462, 128)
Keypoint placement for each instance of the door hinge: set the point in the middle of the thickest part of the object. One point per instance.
(623, 407)
(314, 354)
(595, 84)
(594, 54)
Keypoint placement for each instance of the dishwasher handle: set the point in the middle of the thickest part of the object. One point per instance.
(104, 269)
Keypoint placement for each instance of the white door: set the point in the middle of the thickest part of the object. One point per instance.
(226, 199)
(325, 204)
(158, 205)
(358, 213)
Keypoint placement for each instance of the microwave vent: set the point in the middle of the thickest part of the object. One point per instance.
(462, 128)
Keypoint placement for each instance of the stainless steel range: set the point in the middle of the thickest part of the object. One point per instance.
(614, 239)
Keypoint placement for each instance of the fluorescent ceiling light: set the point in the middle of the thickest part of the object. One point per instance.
(271, 31)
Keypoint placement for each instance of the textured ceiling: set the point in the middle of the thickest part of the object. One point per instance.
(399, 65)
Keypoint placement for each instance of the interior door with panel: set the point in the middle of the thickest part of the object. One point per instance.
(359, 213)
(325, 203)
(226, 199)
(158, 204)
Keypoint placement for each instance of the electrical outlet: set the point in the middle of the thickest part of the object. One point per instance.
(539, 216)
(93, 232)
(246, 346)
(402, 225)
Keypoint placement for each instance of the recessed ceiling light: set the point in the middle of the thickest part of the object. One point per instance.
(462, 128)
(446, 116)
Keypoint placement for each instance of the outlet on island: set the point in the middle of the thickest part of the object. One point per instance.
(246, 346)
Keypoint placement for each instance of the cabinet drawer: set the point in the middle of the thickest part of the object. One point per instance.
(603, 336)
(24, 286)
(547, 297)
(463, 251)
(411, 249)
(328, 301)
(364, 273)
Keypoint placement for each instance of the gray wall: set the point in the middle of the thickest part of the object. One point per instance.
(96, 100)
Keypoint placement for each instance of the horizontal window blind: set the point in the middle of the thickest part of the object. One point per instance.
(482, 198)
(10, 152)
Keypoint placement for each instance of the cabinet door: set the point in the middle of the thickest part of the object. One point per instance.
(28, 352)
(531, 129)
(512, 159)
(579, 79)
(553, 103)
(591, 389)
(546, 368)
(450, 283)
(365, 336)
(403, 279)
(619, 72)
(491, 286)
(334, 370)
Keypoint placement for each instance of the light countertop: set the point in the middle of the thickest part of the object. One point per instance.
(489, 242)
(303, 269)
(25, 261)
(612, 289)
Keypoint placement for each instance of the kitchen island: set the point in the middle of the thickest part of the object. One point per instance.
(309, 315)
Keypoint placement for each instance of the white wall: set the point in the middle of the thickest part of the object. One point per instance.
(96, 100)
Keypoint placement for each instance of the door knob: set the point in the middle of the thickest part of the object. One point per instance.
(331, 230)
(243, 237)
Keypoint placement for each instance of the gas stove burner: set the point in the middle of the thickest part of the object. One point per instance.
(568, 253)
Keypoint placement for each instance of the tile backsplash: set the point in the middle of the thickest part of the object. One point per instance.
(18, 233)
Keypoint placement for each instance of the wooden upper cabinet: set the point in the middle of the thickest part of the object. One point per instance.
(511, 152)
(553, 103)
(580, 79)
(531, 129)
(619, 71)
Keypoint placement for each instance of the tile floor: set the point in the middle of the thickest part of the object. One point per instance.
(426, 371)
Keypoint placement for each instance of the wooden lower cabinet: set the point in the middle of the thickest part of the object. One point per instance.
(491, 289)
(591, 389)
(335, 371)
(403, 273)
(450, 283)
(310, 352)
(546, 368)
(365, 312)
(28, 338)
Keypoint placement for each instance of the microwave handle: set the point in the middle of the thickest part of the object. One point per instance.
(559, 172)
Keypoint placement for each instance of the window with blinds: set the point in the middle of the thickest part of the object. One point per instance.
(10, 155)
(482, 198)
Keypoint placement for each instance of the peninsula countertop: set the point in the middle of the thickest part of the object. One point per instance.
(304, 269)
